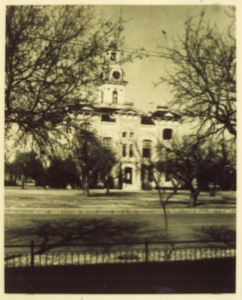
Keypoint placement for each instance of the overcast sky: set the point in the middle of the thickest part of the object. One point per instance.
(143, 29)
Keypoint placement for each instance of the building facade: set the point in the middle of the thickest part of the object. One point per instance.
(129, 132)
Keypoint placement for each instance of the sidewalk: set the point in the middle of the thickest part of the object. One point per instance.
(118, 210)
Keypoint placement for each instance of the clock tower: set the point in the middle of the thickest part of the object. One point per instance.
(112, 83)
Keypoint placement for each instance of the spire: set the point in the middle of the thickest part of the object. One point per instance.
(113, 45)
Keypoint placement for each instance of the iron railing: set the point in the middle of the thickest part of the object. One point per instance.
(80, 254)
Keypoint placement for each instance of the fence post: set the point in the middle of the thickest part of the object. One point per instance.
(146, 250)
(32, 254)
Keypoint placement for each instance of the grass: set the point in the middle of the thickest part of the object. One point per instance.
(22, 228)
(213, 276)
(41, 198)
(179, 277)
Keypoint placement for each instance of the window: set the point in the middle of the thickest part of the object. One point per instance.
(107, 142)
(131, 150)
(124, 150)
(167, 177)
(124, 134)
(128, 175)
(115, 97)
(131, 134)
(167, 134)
(146, 148)
(86, 126)
(150, 173)
(113, 56)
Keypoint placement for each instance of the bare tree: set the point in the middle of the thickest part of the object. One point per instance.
(154, 171)
(204, 75)
(52, 65)
(194, 162)
(92, 157)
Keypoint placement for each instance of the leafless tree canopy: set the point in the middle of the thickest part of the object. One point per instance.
(52, 61)
(204, 75)
(196, 162)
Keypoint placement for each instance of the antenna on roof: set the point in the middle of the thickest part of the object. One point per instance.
(120, 13)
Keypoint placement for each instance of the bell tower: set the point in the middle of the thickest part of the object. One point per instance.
(112, 83)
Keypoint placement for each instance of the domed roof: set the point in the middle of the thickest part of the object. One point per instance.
(113, 45)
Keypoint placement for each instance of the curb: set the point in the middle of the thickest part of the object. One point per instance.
(120, 211)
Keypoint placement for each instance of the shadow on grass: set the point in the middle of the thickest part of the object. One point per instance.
(222, 202)
(174, 202)
(53, 234)
(111, 194)
(216, 234)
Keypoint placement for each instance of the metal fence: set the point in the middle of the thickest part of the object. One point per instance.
(81, 254)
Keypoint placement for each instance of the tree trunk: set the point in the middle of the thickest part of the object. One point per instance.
(108, 184)
(163, 205)
(108, 188)
(167, 250)
(193, 198)
(86, 185)
(166, 222)
(23, 182)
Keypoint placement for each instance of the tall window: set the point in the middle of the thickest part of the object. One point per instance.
(146, 148)
(124, 150)
(167, 176)
(107, 142)
(167, 134)
(115, 97)
(150, 173)
(131, 150)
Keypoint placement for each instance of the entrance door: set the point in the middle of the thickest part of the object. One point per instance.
(128, 175)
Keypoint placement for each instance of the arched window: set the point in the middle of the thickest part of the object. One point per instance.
(115, 97)
(147, 148)
(113, 56)
(167, 134)
(107, 142)
(131, 150)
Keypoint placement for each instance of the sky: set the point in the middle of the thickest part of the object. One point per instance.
(143, 29)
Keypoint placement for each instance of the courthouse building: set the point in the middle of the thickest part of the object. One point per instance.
(131, 133)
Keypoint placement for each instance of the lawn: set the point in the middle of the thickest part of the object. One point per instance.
(55, 228)
(23, 226)
(41, 198)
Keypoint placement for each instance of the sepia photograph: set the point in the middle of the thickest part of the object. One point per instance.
(120, 164)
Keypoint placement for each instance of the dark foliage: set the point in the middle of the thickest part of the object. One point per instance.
(62, 172)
